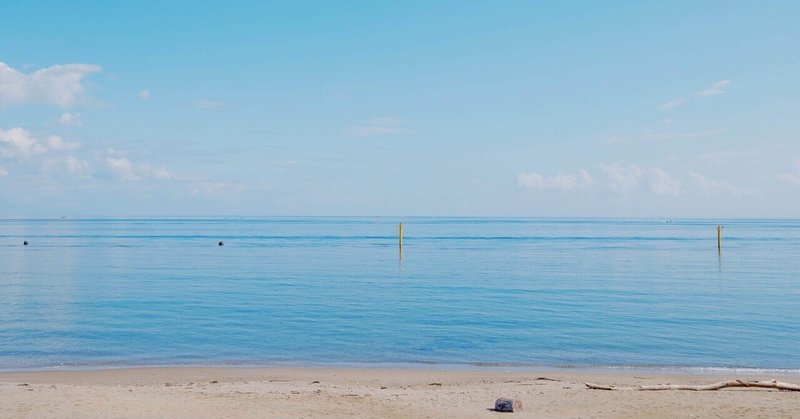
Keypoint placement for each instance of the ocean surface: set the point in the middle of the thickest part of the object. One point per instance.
(503, 292)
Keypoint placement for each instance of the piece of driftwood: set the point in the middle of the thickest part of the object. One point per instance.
(507, 405)
(709, 387)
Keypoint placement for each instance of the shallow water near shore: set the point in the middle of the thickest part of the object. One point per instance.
(467, 291)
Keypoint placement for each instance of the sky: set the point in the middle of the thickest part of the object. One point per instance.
(440, 108)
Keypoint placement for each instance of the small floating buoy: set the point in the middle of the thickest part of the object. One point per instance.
(220, 244)
(25, 243)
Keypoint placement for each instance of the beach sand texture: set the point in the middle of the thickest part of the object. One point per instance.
(371, 393)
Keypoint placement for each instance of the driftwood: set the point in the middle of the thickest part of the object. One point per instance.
(709, 387)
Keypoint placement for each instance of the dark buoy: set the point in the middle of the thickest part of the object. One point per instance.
(25, 243)
(220, 244)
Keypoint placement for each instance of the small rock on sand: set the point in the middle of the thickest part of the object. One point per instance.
(507, 405)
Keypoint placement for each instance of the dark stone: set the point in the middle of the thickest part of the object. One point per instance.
(220, 244)
(25, 243)
(507, 405)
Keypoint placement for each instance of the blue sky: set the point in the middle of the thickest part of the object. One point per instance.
(400, 108)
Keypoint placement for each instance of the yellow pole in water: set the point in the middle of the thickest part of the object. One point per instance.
(401, 237)
(719, 237)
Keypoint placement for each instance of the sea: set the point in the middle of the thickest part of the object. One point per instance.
(339, 291)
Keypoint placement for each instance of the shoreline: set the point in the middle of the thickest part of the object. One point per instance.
(180, 372)
(373, 392)
(454, 367)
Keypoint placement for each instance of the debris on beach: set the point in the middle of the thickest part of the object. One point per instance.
(507, 405)
(710, 387)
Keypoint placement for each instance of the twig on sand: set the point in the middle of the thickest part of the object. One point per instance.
(709, 387)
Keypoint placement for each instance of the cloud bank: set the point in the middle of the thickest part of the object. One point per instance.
(19, 149)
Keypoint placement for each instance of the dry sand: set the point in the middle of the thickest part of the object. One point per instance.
(387, 393)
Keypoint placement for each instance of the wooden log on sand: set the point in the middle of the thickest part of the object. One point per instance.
(709, 387)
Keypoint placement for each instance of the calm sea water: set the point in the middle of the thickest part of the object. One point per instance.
(524, 292)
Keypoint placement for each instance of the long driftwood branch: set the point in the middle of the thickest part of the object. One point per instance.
(716, 386)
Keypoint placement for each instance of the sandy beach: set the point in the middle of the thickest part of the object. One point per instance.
(394, 393)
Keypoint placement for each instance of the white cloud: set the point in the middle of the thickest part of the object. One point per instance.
(718, 88)
(77, 166)
(379, 127)
(125, 169)
(208, 104)
(622, 178)
(60, 166)
(144, 94)
(55, 157)
(60, 85)
(672, 104)
(3, 172)
(122, 167)
(57, 144)
(560, 181)
(708, 186)
(662, 183)
(68, 119)
(160, 173)
(20, 143)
